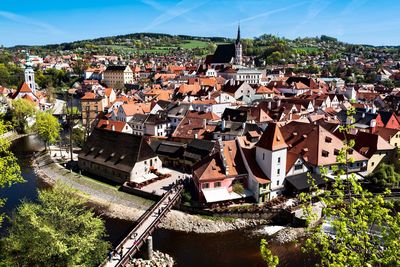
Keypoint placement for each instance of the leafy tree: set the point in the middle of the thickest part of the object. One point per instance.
(10, 172)
(238, 188)
(47, 127)
(364, 229)
(58, 230)
(20, 112)
(78, 136)
(270, 259)
(384, 176)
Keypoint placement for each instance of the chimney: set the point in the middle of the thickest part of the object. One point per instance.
(363, 115)
(223, 159)
(373, 124)
(209, 94)
(196, 136)
(243, 126)
(223, 125)
(269, 105)
(113, 127)
(279, 102)
(204, 123)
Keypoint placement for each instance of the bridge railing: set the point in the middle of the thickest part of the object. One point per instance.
(125, 259)
(141, 220)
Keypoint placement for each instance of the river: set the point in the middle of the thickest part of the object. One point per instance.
(235, 248)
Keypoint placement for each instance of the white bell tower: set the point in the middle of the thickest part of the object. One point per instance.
(29, 74)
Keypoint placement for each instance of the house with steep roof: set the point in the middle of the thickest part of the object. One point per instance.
(126, 111)
(387, 119)
(118, 157)
(117, 76)
(192, 128)
(91, 105)
(372, 146)
(157, 125)
(216, 175)
(137, 123)
(118, 126)
(392, 136)
(238, 89)
(318, 147)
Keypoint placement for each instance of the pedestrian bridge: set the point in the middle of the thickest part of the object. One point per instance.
(145, 227)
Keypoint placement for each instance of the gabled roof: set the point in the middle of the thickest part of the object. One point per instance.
(386, 133)
(223, 54)
(368, 144)
(108, 91)
(314, 143)
(108, 124)
(213, 168)
(90, 96)
(24, 88)
(385, 116)
(115, 150)
(116, 68)
(272, 138)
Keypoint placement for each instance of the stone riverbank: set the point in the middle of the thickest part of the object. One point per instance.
(116, 204)
(159, 260)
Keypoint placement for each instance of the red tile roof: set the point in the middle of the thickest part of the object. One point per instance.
(272, 138)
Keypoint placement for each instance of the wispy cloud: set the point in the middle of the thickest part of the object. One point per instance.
(169, 14)
(270, 12)
(153, 4)
(314, 9)
(352, 6)
(28, 21)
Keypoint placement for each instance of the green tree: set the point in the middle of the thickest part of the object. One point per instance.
(47, 127)
(238, 188)
(364, 229)
(58, 230)
(10, 172)
(384, 176)
(270, 259)
(20, 112)
(78, 136)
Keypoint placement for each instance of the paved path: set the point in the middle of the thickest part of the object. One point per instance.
(162, 186)
(147, 223)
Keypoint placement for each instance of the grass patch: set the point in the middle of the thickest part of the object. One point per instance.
(190, 44)
(101, 186)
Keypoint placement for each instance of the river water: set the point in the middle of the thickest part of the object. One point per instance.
(234, 249)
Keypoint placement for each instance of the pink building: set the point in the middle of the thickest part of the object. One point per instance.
(215, 175)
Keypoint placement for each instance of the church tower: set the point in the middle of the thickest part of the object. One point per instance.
(238, 49)
(30, 74)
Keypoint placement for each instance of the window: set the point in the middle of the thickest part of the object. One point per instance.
(263, 156)
(298, 167)
(279, 160)
(277, 182)
(145, 162)
(205, 185)
(217, 184)
(278, 171)
(372, 163)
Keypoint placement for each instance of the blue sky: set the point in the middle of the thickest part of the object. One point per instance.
(43, 22)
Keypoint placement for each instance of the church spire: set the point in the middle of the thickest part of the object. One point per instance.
(238, 34)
